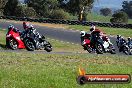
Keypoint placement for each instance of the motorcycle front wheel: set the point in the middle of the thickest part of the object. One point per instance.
(112, 49)
(30, 46)
(126, 50)
(89, 49)
(99, 48)
(130, 51)
(48, 47)
(12, 43)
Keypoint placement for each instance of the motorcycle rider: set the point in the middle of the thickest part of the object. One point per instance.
(12, 27)
(122, 41)
(129, 41)
(94, 30)
(29, 28)
(118, 40)
(102, 35)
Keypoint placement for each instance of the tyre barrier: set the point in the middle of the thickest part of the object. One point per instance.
(69, 22)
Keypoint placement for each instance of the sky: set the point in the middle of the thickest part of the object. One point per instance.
(109, 3)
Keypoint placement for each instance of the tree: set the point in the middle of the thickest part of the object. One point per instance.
(127, 7)
(76, 6)
(2, 5)
(43, 7)
(10, 7)
(24, 11)
(105, 11)
(119, 17)
(79, 8)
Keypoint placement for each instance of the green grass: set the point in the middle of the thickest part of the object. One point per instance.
(39, 70)
(27, 70)
(108, 31)
(2, 38)
(130, 21)
(99, 18)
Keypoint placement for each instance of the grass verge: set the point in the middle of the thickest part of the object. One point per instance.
(30, 70)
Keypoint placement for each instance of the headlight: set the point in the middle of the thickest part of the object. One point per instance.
(18, 38)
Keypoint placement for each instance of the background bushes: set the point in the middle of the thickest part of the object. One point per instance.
(25, 11)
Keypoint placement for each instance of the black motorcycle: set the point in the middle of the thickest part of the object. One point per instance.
(34, 41)
(123, 46)
(130, 46)
(102, 44)
(97, 42)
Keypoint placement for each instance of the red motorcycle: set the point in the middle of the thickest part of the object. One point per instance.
(99, 45)
(85, 41)
(13, 40)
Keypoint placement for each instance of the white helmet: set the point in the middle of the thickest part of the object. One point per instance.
(82, 33)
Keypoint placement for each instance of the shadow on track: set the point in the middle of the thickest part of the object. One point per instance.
(3, 46)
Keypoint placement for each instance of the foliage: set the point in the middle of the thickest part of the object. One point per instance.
(43, 7)
(119, 17)
(24, 11)
(2, 5)
(106, 11)
(10, 7)
(59, 14)
(127, 7)
(75, 6)
(48, 8)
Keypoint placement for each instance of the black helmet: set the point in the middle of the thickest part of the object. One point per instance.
(92, 28)
(10, 26)
(129, 39)
(119, 36)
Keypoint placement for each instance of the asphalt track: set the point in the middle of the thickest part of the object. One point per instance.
(55, 33)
